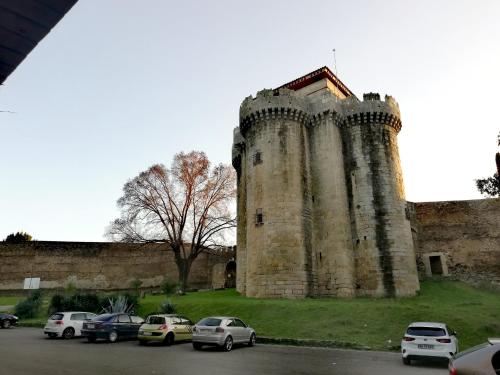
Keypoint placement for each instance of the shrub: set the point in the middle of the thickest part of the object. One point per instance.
(168, 288)
(57, 303)
(29, 307)
(136, 285)
(76, 302)
(132, 299)
(119, 304)
(167, 307)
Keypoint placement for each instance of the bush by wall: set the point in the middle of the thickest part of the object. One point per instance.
(29, 307)
(90, 302)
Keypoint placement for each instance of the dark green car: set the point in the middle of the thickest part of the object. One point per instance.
(112, 327)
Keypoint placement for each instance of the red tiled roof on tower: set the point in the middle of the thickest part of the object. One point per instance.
(315, 76)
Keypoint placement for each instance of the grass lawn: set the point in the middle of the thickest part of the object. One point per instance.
(473, 313)
(377, 323)
(9, 301)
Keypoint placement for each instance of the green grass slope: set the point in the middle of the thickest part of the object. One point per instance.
(364, 322)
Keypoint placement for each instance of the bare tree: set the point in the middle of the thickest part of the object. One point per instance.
(187, 207)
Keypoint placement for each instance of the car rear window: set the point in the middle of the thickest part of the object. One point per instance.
(104, 317)
(56, 317)
(426, 331)
(210, 322)
(155, 320)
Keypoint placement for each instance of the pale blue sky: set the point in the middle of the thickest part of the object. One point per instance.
(120, 85)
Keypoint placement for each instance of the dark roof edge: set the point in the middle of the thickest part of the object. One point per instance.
(314, 76)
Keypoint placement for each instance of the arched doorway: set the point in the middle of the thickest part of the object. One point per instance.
(230, 275)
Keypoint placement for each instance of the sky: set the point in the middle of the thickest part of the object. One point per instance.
(119, 85)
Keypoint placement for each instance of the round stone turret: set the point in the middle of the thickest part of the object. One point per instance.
(383, 245)
(272, 201)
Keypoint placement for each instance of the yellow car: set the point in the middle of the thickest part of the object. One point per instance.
(166, 329)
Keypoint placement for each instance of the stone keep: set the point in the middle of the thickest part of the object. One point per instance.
(321, 205)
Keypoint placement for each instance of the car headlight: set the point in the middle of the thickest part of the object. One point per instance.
(15, 317)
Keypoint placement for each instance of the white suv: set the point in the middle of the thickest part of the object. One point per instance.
(428, 340)
(66, 324)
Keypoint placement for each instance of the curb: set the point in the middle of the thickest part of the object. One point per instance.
(321, 344)
(31, 324)
(283, 341)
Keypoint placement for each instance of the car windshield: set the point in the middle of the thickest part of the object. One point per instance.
(104, 317)
(426, 331)
(56, 317)
(155, 320)
(210, 322)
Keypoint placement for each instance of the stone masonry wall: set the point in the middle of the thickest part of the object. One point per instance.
(331, 231)
(462, 236)
(99, 265)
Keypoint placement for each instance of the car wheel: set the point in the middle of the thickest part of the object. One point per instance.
(169, 339)
(52, 335)
(197, 346)
(251, 342)
(91, 339)
(407, 361)
(5, 323)
(113, 336)
(68, 333)
(228, 344)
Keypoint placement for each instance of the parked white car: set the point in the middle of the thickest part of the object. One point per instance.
(66, 324)
(428, 340)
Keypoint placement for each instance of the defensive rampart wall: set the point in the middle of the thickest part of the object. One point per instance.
(103, 266)
(459, 239)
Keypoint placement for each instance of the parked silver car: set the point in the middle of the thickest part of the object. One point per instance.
(483, 359)
(222, 331)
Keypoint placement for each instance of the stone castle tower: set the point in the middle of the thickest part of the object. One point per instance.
(321, 205)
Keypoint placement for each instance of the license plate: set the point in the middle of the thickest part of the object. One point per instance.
(90, 326)
(147, 333)
(425, 346)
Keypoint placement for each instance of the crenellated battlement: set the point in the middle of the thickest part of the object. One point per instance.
(274, 104)
(371, 110)
(289, 104)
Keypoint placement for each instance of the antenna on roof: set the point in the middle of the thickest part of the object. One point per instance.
(335, 63)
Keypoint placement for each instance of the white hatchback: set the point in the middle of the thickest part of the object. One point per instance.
(428, 340)
(66, 324)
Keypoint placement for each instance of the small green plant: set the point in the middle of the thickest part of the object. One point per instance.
(136, 285)
(70, 288)
(167, 307)
(119, 304)
(169, 288)
(29, 308)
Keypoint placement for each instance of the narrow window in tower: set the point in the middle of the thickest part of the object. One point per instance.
(259, 217)
(257, 158)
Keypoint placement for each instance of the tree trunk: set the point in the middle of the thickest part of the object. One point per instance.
(184, 267)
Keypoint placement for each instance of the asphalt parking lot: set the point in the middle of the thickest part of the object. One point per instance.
(28, 351)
